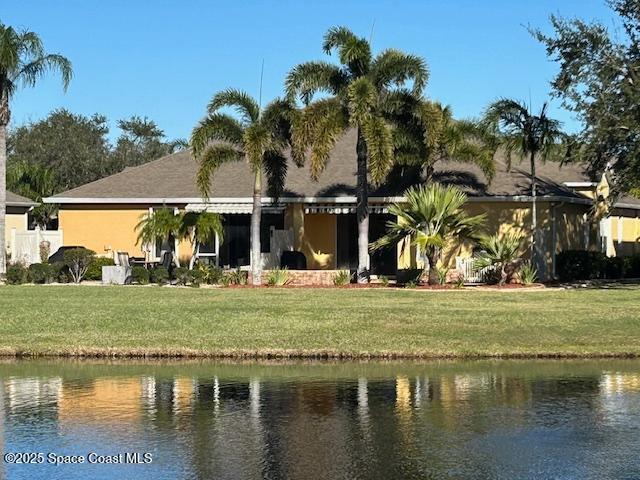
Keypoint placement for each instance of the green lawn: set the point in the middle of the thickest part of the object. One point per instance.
(154, 320)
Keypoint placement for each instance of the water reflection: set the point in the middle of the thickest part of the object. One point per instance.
(208, 420)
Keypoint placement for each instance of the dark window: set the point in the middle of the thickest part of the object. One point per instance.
(269, 220)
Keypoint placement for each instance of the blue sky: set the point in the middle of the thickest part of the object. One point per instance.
(164, 59)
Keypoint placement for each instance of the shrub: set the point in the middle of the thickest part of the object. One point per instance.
(209, 274)
(384, 280)
(94, 272)
(278, 277)
(613, 267)
(442, 275)
(182, 276)
(61, 272)
(459, 282)
(410, 284)
(160, 275)
(43, 273)
(140, 275)
(197, 278)
(17, 274)
(78, 260)
(501, 253)
(528, 274)
(343, 277)
(631, 266)
(44, 249)
(238, 277)
(580, 265)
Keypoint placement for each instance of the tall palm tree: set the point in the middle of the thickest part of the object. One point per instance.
(23, 61)
(529, 136)
(355, 95)
(427, 133)
(432, 217)
(259, 136)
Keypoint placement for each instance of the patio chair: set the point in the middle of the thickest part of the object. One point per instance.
(123, 259)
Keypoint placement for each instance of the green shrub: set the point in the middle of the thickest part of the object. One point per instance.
(528, 274)
(343, 277)
(384, 280)
(61, 272)
(410, 284)
(17, 274)
(278, 277)
(631, 267)
(500, 253)
(78, 260)
(182, 276)
(197, 278)
(210, 274)
(94, 272)
(140, 275)
(160, 275)
(237, 277)
(580, 265)
(43, 273)
(442, 275)
(459, 282)
(613, 268)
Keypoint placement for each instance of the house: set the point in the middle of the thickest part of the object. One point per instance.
(318, 218)
(17, 219)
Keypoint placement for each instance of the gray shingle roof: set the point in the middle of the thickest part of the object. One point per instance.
(15, 200)
(173, 176)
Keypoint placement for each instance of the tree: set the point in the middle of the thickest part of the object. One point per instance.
(160, 225)
(599, 80)
(427, 133)
(528, 136)
(141, 141)
(200, 228)
(23, 61)
(258, 136)
(35, 182)
(431, 218)
(501, 253)
(356, 94)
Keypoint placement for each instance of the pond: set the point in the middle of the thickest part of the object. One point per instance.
(371, 420)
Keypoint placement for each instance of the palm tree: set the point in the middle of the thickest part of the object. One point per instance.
(258, 136)
(355, 96)
(34, 181)
(528, 135)
(430, 219)
(200, 228)
(23, 61)
(500, 252)
(161, 224)
(427, 133)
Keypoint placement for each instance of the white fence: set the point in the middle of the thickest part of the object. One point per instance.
(25, 245)
(471, 275)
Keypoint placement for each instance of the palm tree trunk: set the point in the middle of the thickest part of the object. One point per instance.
(3, 195)
(433, 270)
(256, 216)
(534, 210)
(362, 211)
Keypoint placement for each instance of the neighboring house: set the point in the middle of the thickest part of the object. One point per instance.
(318, 218)
(17, 219)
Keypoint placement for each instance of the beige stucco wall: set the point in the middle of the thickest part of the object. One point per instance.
(315, 236)
(17, 221)
(625, 234)
(102, 229)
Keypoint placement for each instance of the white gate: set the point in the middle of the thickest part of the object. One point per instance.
(471, 275)
(25, 245)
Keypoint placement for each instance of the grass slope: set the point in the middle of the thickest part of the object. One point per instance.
(70, 320)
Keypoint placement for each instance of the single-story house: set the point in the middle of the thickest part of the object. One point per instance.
(318, 218)
(17, 218)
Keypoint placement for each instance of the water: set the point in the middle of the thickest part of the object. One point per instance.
(205, 420)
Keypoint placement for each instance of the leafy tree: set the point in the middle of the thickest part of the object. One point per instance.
(535, 137)
(200, 228)
(598, 80)
(34, 181)
(160, 225)
(432, 217)
(427, 133)
(23, 61)
(501, 253)
(141, 141)
(356, 94)
(258, 136)
(73, 146)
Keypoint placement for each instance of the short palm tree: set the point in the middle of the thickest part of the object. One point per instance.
(500, 252)
(34, 181)
(427, 133)
(355, 95)
(529, 136)
(23, 61)
(160, 225)
(259, 136)
(431, 218)
(200, 228)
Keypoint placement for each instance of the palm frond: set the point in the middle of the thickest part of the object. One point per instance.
(307, 79)
(210, 160)
(216, 127)
(396, 68)
(362, 99)
(30, 73)
(240, 101)
(275, 167)
(379, 139)
(353, 51)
